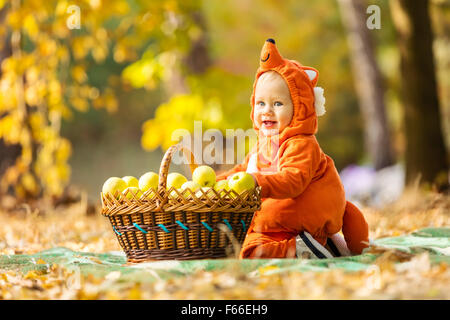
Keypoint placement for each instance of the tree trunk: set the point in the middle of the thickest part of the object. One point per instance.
(425, 155)
(368, 82)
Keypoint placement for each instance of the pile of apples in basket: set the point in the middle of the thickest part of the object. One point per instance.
(203, 180)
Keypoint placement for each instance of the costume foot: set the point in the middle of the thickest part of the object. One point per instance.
(337, 246)
(308, 248)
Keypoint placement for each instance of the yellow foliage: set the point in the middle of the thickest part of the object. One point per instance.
(10, 129)
(79, 103)
(14, 20)
(30, 26)
(47, 47)
(151, 138)
(79, 74)
(47, 76)
(29, 183)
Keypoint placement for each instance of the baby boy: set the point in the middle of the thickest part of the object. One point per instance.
(303, 201)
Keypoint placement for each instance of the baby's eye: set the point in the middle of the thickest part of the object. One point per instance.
(260, 104)
(278, 104)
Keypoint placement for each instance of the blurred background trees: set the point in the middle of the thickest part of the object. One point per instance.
(369, 84)
(80, 105)
(425, 153)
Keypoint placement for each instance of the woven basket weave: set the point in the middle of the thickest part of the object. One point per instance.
(166, 224)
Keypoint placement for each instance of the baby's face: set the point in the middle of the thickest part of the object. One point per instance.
(273, 109)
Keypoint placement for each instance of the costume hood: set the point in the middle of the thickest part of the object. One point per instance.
(307, 99)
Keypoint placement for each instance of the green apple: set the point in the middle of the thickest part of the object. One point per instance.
(194, 186)
(220, 186)
(114, 185)
(131, 181)
(204, 176)
(148, 180)
(175, 180)
(241, 181)
(173, 194)
(203, 191)
(132, 190)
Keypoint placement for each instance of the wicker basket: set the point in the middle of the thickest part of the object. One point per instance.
(169, 224)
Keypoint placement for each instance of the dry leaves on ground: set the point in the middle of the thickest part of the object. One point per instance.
(26, 231)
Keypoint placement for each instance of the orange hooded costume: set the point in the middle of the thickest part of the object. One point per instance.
(301, 188)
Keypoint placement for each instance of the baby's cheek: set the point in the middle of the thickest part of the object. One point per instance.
(289, 114)
(257, 120)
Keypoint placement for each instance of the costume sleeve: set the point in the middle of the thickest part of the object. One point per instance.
(296, 168)
(237, 168)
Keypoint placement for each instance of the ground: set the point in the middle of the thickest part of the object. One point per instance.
(80, 227)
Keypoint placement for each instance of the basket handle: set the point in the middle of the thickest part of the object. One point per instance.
(165, 164)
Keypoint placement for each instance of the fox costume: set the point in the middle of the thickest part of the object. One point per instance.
(303, 199)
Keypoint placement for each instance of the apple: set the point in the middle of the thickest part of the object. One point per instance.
(131, 181)
(241, 181)
(220, 186)
(132, 191)
(113, 185)
(204, 176)
(173, 194)
(205, 190)
(148, 181)
(194, 186)
(175, 180)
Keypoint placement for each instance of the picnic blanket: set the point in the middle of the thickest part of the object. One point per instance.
(435, 241)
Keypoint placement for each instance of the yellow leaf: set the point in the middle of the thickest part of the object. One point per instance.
(79, 74)
(267, 269)
(80, 48)
(47, 47)
(31, 275)
(14, 20)
(29, 183)
(151, 137)
(79, 104)
(30, 26)
(135, 293)
(63, 151)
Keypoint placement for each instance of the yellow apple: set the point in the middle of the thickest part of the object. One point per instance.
(114, 185)
(132, 190)
(194, 186)
(173, 194)
(131, 181)
(204, 176)
(241, 181)
(175, 180)
(205, 190)
(220, 186)
(148, 180)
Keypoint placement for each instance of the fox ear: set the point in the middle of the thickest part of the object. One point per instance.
(312, 74)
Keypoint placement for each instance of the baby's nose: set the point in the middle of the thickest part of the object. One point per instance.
(268, 109)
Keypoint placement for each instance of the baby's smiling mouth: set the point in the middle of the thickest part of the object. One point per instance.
(269, 124)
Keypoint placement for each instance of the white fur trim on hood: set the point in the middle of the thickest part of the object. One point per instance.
(319, 101)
